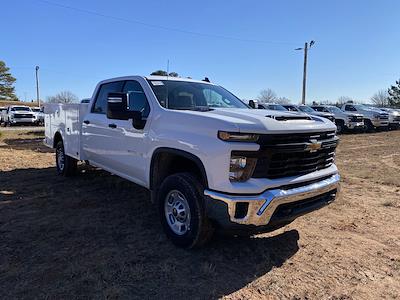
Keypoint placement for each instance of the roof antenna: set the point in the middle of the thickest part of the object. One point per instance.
(206, 79)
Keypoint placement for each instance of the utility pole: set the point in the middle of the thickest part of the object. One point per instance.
(303, 95)
(37, 86)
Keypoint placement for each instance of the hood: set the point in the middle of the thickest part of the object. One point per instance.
(322, 114)
(351, 114)
(21, 112)
(262, 120)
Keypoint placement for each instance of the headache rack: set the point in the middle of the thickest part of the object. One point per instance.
(284, 155)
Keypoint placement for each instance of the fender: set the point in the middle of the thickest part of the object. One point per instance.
(178, 152)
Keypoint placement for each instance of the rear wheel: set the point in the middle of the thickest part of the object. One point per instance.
(182, 212)
(66, 165)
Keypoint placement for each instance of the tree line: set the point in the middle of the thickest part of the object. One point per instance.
(382, 98)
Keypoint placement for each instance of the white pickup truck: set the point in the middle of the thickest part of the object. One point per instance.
(210, 162)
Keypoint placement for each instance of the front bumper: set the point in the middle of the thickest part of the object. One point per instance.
(355, 125)
(22, 121)
(271, 209)
(380, 123)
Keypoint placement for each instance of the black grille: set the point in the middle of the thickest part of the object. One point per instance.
(357, 119)
(18, 116)
(383, 117)
(292, 155)
(331, 118)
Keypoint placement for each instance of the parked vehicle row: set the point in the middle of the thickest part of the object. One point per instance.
(358, 117)
(210, 161)
(21, 115)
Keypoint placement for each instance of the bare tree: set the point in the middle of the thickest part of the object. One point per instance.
(344, 99)
(63, 97)
(282, 100)
(381, 98)
(267, 96)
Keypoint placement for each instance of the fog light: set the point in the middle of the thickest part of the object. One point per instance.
(241, 168)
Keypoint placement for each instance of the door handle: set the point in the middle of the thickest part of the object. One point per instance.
(86, 121)
(112, 125)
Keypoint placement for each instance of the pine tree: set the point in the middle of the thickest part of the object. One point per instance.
(7, 89)
(394, 94)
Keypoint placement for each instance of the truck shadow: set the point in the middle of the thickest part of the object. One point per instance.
(96, 235)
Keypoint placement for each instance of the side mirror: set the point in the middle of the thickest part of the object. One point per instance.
(252, 104)
(117, 106)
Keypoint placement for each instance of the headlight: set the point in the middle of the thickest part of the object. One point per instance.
(241, 167)
(376, 116)
(237, 136)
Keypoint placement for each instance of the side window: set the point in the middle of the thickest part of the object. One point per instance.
(350, 108)
(100, 105)
(138, 99)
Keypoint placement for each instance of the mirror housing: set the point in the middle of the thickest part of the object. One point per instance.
(118, 108)
(252, 104)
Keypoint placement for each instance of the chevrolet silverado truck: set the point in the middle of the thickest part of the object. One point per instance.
(394, 117)
(209, 160)
(373, 118)
(344, 120)
(19, 115)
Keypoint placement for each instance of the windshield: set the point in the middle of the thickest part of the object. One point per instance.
(362, 107)
(36, 109)
(20, 108)
(334, 109)
(277, 107)
(306, 109)
(185, 95)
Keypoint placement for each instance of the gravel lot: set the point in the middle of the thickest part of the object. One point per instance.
(97, 236)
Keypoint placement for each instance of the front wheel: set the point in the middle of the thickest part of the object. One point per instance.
(66, 165)
(339, 126)
(182, 212)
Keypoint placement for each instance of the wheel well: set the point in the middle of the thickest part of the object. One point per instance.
(168, 161)
(57, 138)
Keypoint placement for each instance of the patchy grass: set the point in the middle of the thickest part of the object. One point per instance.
(98, 236)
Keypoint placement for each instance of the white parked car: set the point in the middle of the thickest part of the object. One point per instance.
(272, 106)
(19, 115)
(372, 118)
(394, 117)
(3, 112)
(309, 111)
(38, 112)
(344, 120)
(210, 162)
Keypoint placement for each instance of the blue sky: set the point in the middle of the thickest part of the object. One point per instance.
(356, 51)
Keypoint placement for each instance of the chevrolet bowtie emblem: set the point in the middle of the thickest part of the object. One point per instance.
(313, 146)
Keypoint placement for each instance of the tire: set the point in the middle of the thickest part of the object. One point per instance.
(182, 213)
(66, 165)
(340, 126)
(369, 125)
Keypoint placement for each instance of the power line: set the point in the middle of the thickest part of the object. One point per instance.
(131, 21)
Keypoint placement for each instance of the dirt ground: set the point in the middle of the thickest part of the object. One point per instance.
(97, 236)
